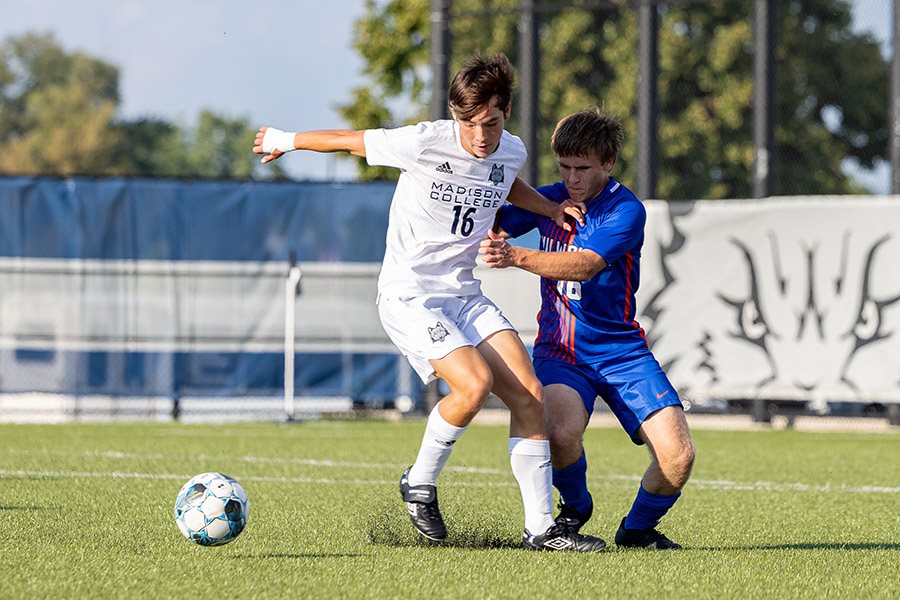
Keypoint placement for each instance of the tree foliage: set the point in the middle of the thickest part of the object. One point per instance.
(56, 109)
(831, 85)
(58, 117)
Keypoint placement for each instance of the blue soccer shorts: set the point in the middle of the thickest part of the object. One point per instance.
(634, 386)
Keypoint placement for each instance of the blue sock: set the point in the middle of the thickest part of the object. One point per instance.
(571, 482)
(648, 509)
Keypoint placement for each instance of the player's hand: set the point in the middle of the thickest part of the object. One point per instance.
(258, 147)
(272, 143)
(496, 252)
(568, 211)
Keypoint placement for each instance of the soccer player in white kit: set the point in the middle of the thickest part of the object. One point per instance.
(455, 175)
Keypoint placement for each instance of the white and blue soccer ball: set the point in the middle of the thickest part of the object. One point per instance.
(211, 509)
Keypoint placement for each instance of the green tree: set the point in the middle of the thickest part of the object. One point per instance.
(831, 85)
(58, 116)
(56, 110)
(219, 147)
(152, 147)
(392, 41)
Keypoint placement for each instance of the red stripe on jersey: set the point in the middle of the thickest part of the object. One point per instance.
(573, 320)
(567, 320)
(549, 319)
(556, 235)
(629, 267)
(565, 325)
(556, 319)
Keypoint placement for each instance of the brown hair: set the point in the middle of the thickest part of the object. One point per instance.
(480, 79)
(588, 132)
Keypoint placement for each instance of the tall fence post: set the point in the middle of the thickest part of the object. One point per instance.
(895, 104)
(764, 98)
(648, 75)
(440, 58)
(529, 72)
(291, 291)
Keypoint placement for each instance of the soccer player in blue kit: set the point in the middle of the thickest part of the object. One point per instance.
(589, 343)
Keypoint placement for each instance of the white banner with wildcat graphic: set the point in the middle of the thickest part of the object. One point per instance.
(791, 298)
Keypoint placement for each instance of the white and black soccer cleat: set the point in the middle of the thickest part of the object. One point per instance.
(562, 538)
(422, 504)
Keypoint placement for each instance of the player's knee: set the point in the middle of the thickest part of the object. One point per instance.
(681, 463)
(475, 391)
(560, 446)
(564, 440)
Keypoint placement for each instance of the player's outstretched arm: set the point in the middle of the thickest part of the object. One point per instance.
(273, 143)
(524, 196)
(497, 253)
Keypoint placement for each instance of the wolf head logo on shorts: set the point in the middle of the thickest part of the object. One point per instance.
(496, 176)
(438, 333)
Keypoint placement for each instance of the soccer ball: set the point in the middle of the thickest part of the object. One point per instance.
(211, 509)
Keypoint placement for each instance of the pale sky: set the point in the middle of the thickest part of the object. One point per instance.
(286, 63)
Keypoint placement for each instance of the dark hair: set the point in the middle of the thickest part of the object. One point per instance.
(480, 79)
(588, 132)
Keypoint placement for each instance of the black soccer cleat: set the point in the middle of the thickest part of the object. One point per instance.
(573, 519)
(422, 504)
(649, 539)
(562, 538)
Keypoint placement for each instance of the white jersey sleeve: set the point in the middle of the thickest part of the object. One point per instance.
(393, 147)
(445, 202)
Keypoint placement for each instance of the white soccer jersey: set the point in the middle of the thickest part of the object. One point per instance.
(444, 204)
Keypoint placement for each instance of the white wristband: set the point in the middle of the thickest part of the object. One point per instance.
(276, 139)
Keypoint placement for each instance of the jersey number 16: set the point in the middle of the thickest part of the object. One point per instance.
(468, 223)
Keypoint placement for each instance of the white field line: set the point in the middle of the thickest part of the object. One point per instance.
(706, 484)
(166, 476)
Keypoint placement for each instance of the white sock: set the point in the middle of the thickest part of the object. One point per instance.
(437, 444)
(530, 461)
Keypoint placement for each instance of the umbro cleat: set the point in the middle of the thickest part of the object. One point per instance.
(650, 539)
(422, 504)
(562, 538)
(573, 519)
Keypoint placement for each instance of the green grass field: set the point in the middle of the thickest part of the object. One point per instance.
(86, 512)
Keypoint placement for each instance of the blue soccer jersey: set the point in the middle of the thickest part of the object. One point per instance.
(586, 322)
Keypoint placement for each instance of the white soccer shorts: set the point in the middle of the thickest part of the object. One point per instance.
(427, 328)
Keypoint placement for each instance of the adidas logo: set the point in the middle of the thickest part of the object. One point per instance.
(444, 168)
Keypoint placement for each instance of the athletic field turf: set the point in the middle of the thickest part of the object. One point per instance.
(86, 512)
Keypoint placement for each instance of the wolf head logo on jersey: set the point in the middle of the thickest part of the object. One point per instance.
(438, 333)
(496, 176)
(775, 304)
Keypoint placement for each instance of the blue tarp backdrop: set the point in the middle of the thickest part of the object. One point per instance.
(56, 234)
(149, 219)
